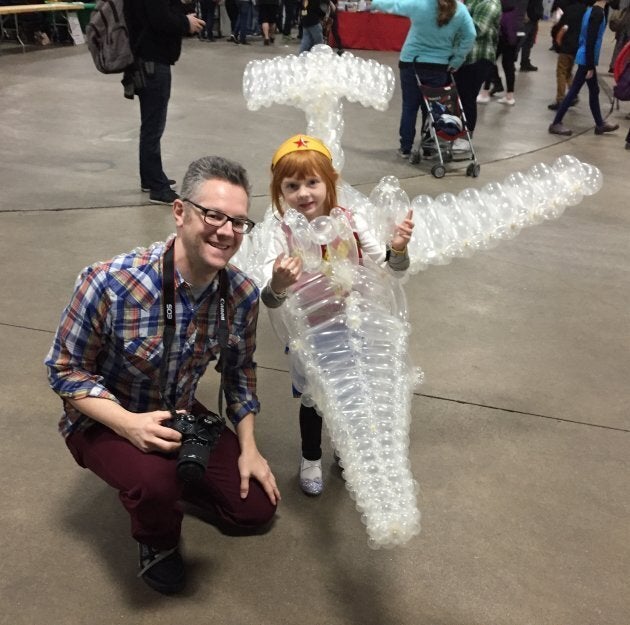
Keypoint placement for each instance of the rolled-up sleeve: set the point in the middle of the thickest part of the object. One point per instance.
(239, 369)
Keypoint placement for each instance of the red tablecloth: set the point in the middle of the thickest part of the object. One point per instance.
(372, 31)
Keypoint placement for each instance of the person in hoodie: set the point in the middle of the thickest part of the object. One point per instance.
(441, 35)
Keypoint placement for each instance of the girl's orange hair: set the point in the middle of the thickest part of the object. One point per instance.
(303, 164)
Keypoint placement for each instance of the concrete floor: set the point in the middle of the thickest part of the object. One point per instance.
(520, 439)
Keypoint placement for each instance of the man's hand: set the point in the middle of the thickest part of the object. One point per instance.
(286, 271)
(144, 430)
(590, 74)
(195, 25)
(252, 465)
(147, 433)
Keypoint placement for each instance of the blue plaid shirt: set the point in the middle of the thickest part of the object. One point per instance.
(109, 340)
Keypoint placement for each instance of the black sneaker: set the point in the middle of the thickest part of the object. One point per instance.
(554, 106)
(168, 196)
(162, 570)
(528, 67)
(171, 183)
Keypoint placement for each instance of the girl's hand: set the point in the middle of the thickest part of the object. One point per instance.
(286, 271)
(403, 233)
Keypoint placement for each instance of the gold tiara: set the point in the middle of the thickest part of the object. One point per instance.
(300, 143)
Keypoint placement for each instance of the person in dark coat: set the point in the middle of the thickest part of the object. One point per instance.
(156, 29)
(566, 35)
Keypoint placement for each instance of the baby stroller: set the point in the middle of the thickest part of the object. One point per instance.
(444, 123)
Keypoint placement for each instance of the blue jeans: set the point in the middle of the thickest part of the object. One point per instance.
(412, 100)
(593, 95)
(311, 36)
(154, 97)
(244, 20)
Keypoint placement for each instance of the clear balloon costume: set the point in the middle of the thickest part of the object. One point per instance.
(346, 321)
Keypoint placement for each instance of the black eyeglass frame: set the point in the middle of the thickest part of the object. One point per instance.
(248, 223)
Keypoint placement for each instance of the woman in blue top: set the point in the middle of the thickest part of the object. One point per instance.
(441, 35)
(587, 57)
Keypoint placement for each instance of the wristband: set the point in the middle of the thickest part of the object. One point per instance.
(398, 252)
(281, 295)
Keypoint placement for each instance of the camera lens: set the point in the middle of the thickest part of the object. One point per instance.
(190, 471)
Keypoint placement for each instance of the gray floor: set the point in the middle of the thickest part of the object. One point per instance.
(520, 437)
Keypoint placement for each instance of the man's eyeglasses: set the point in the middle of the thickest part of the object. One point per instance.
(213, 217)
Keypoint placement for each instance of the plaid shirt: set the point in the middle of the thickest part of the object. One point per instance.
(109, 340)
(486, 15)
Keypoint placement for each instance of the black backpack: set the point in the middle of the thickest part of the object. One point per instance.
(107, 37)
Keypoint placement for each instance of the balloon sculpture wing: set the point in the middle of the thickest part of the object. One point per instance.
(451, 226)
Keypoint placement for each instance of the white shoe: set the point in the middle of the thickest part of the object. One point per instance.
(311, 481)
(483, 98)
(461, 145)
(508, 101)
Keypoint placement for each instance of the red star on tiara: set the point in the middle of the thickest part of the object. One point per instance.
(300, 143)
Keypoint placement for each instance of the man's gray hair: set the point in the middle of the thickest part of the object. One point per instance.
(214, 168)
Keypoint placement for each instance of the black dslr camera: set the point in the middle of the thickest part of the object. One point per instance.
(200, 435)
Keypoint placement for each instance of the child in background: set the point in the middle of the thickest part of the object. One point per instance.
(566, 35)
(303, 178)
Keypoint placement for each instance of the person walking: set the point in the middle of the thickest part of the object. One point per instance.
(587, 58)
(512, 15)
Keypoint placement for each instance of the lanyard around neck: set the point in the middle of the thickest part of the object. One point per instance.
(168, 312)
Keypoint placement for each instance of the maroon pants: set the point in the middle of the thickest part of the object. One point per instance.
(151, 493)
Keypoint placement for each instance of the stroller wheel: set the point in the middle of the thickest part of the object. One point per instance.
(415, 158)
(438, 171)
(473, 170)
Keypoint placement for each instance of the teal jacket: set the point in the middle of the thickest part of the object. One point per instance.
(427, 42)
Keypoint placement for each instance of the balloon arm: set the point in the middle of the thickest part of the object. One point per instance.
(445, 227)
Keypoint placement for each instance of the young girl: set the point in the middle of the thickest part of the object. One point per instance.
(303, 178)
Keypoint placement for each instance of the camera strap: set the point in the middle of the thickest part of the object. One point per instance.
(168, 311)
